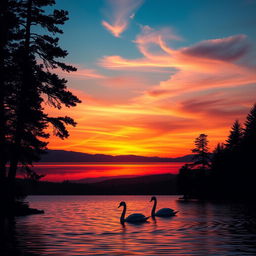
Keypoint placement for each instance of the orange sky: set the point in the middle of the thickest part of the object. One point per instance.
(156, 101)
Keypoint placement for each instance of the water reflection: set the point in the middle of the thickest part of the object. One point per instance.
(89, 225)
(17, 240)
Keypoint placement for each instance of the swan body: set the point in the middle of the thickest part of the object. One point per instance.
(164, 212)
(136, 217)
(133, 218)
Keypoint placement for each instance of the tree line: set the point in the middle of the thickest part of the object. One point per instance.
(30, 55)
(229, 172)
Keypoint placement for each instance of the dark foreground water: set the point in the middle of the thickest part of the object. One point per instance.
(89, 225)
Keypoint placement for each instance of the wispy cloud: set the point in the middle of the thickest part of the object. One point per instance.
(82, 73)
(207, 64)
(121, 12)
(226, 49)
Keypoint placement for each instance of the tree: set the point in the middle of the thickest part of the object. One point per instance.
(250, 130)
(9, 34)
(9, 25)
(193, 178)
(201, 149)
(248, 151)
(232, 170)
(28, 58)
(38, 84)
(235, 136)
(218, 156)
(185, 181)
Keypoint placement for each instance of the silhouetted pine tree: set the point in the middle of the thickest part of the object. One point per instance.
(37, 83)
(249, 138)
(235, 136)
(202, 155)
(193, 177)
(222, 172)
(248, 152)
(8, 33)
(232, 171)
(185, 186)
(218, 156)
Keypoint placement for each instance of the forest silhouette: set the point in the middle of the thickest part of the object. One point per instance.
(229, 173)
(29, 58)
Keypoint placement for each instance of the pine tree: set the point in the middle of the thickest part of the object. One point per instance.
(250, 130)
(37, 83)
(248, 152)
(217, 156)
(235, 136)
(9, 24)
(202, 155)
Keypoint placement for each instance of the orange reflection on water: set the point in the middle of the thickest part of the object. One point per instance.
(76, 171)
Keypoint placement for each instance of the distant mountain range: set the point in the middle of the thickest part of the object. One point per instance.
(71, 156)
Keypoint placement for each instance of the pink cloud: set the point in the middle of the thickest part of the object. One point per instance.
(185, 81)
(82, 73)
(122, 11)
(116, 29)
(117, 62)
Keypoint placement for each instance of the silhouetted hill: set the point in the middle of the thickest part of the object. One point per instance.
(161, 184)
(71, 156)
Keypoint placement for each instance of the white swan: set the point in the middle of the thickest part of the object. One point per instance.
(164, 212)
(133, 218)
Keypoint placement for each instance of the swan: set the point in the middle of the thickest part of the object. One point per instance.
(164, 212)
(133, 218)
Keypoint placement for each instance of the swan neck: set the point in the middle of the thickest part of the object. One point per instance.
(123, 214)
(154, 208)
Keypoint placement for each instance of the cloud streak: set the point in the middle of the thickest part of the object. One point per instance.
(82, 73)
(121, 12)
(207, 64)
(226, 49)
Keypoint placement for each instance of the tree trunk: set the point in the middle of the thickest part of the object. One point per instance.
(22, 102)
(4, 30)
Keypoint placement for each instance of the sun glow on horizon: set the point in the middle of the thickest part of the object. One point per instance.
(147, 89)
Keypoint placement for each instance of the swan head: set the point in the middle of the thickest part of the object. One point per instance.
(153, 198)
(122, 204)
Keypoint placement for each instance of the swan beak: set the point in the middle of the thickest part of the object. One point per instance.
(119, 206)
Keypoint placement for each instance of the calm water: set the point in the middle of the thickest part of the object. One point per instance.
(89, 225)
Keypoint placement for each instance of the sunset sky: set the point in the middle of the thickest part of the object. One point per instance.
(154, 74)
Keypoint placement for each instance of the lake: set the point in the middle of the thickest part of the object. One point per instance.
(89, 225)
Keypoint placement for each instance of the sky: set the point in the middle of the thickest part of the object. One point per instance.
(154, 74)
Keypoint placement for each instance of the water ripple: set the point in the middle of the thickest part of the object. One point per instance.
(89, 225)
